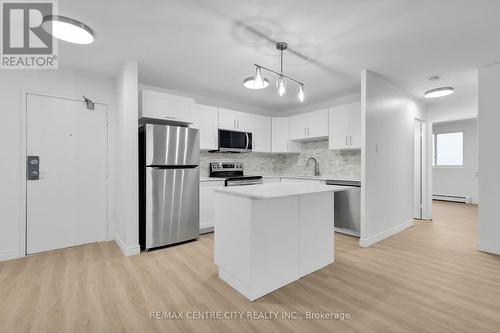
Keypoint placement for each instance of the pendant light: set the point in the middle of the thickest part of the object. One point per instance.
(260, 82)
(257, 82)
(301, 93)
(67, 29)
(281, 87)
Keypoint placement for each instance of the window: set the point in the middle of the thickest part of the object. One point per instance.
(448, 149)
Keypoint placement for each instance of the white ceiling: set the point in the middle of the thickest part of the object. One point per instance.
(207, 47)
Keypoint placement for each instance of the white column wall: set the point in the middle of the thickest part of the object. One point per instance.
(388, 116)
(489, 158)
(125, 164)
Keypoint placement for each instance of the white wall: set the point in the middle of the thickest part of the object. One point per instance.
(460, 181)
(125, 167)
(452, 108)
(489, 158)
(388, 115)
(61, 82)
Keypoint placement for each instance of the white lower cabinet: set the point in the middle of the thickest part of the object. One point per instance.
(207, 215)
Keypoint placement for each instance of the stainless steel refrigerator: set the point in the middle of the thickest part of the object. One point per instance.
(169, 159)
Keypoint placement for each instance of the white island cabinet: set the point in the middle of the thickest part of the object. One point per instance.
(269, 235)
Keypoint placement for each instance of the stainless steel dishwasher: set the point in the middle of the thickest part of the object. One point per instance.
(347, 203)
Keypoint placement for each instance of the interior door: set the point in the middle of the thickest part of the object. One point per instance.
(417, 171)
(67, 204)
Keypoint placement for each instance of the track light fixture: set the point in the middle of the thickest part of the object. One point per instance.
(260, 82)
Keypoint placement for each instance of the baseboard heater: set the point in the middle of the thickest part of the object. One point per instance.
(451, 198)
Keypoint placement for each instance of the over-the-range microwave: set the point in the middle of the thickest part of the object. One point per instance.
(234, 142)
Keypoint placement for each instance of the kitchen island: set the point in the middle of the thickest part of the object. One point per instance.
(267, 236)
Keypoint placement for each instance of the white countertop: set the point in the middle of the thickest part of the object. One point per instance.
(278, 190)
(322, 177)
(326, 177)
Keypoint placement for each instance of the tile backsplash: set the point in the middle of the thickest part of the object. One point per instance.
(339, 164)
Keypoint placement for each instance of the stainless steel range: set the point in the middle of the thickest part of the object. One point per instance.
(232, 172)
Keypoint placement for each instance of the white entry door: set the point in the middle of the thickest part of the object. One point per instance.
(67, 205)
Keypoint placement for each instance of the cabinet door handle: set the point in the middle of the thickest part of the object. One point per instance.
(237, 124)
(169, 117)
(350, 140)
(346, 140)
(287, 146)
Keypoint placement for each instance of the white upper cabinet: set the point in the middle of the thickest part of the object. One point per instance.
(159, 105)
(234, 120)
(345, 127)
(281, 137)
(309, 126)
(261, 133)
(205, 118)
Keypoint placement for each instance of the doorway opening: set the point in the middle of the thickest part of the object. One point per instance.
(455, 162)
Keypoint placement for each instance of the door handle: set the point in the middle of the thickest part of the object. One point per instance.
(350, 140)
(346, 140)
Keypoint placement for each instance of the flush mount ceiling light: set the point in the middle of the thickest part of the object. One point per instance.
(67, 29)
(439, 92)
(260, 82)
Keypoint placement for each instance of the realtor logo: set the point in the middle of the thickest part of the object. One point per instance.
(25, 43)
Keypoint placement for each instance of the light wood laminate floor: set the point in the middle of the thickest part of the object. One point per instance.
(429, 278)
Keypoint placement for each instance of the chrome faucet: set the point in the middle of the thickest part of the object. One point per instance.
(316, 165)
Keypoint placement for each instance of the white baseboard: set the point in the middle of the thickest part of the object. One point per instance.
(206, 228)
(490, 248)
(384, 234)
(8, 255)
(127, 250)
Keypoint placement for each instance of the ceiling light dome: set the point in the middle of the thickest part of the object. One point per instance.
(67, 29)
(439, 92)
